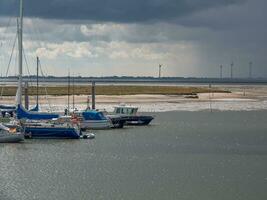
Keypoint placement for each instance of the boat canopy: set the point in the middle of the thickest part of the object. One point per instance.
(93, 115)
(24, 114)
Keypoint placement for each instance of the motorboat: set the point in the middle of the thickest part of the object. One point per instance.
(129, 114)
(117, 121)
(92, 119)
(9, 136)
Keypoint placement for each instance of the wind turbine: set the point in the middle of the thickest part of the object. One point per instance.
(232, 66)
(160, 65)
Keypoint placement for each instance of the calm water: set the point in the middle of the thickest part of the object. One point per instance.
(183, 155)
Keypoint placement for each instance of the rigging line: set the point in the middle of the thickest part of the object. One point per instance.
(4, 33)
(8, 23)
(46, 96)
(9, 19)
(7, 26)
(26, 62)
(47, 99)
(10, 58)
(37, 32)
(39, 38)
(15, 64)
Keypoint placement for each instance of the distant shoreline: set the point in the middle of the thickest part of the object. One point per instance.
(136, 80)
(114, 90)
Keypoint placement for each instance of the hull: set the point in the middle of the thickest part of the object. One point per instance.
(117, 121)
(138, 120)
(11, 138)
(95, 124)
(51, 132)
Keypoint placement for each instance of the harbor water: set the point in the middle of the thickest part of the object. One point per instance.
(181, 155)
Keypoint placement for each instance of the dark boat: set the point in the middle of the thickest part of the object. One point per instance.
(129, 114)
(50, 129)
(42, 131)
(138, 120)
(117, 121)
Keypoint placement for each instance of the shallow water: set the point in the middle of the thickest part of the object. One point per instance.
(182, 155)
(219, 105)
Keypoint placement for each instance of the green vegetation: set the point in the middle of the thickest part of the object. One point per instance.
(116, 90)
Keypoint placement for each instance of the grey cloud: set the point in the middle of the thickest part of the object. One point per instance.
(250, 14)
(217, 32)
(112, 10)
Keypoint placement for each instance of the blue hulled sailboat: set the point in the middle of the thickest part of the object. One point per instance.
(37, 124)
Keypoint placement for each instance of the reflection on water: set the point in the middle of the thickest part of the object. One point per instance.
(182, 155)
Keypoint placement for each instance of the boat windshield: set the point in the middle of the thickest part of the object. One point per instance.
(125, 110)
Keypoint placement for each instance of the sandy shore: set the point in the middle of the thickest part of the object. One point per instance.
(241, 98)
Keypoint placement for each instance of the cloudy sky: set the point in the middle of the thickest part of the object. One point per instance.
(123, 37)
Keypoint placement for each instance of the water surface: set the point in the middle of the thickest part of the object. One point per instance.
(182, 155)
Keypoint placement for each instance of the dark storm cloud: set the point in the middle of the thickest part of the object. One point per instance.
(112, 10)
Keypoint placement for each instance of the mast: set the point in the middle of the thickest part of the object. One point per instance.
(69, 92)
(37, 82)
(20, 38)
(73, 97)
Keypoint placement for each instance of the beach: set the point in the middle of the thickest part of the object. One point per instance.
(239, 97)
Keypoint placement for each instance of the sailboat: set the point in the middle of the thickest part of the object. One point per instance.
(37, 124)
(92, 119)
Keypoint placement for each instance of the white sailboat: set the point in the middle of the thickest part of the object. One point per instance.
(6, 134)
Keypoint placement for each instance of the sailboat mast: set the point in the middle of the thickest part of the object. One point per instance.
(73, 95)
(37, 82)
(69, 92)
(20, 38)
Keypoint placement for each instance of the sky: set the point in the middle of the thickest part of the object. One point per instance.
(190, 38)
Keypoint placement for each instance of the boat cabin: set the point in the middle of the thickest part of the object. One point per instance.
(90, 115)
(125, 110)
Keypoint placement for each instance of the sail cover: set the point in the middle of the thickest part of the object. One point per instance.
(24, 114)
